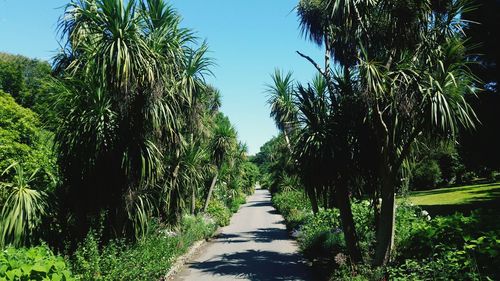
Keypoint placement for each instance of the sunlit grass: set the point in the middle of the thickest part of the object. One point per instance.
(461, 195)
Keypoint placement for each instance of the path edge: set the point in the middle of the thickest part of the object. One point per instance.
(181, 260)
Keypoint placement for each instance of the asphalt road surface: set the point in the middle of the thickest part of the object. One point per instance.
(255, 246)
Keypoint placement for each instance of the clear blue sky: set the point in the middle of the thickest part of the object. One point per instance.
(247, 39)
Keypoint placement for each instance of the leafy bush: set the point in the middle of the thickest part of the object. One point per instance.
(22, 140)
(148, 259)
(27, 171)
(250, 177)
(219, 212)
(294, 206)
(458, 246)
(30, 83)
(38, 263)
(426, 174)
(321, 235)
(236, 202)
(466, 177)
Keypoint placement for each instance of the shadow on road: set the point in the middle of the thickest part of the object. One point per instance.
(267, 235)
(261, 204)
(256, 265)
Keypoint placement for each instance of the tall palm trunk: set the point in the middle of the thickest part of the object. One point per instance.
(348, 227)
(210, 190)
(387, 219)
(193, 201)
(287, 139)
(314, 200)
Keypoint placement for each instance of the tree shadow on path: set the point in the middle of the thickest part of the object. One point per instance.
(267, 235)
(257, 265)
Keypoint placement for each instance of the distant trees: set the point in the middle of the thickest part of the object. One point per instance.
(222, 142)
(31, 84)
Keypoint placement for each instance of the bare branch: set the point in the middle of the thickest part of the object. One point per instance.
(315, 64)
(325, 73)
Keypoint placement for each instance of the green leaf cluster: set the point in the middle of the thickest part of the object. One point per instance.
(37, 263)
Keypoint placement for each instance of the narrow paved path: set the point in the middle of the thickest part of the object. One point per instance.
(255, 246)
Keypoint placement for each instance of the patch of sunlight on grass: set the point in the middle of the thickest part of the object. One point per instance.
(469, 194)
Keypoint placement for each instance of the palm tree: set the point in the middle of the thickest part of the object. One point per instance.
(280, 99)
(192, 171)
(407, 59)
(23, 210)
(418, 89)
(130, 71)
(222, 143)
(314, 147)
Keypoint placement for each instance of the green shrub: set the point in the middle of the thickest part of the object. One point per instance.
(294, 206)
(454, 247)
(460, 244)
(22, 140)
(219, 212)
(23, 209)
(321, 235)
(467, 177)
(250, 177)
(362, 272)
(426, 174)
(364, 222)
(236, 202)
(87, 258)
(37, 263)
(148, 259)
(448, 265)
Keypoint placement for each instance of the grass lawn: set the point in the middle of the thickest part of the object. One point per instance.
(462, 198)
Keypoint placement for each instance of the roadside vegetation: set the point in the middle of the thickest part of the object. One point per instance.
(114, 158)
(390, 115)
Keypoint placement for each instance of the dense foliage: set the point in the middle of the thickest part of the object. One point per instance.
(112, 153)
(117, 155)
(458, 247)
(22, 138)
(148, 259)
(383, 115)
(37, 263)
(142, 134)
(31, 84)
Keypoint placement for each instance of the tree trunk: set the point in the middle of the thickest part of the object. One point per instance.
(212, 185)
(376, 211)
(314, 200)
(193, 201)
(325, 197)
(348, 227)
(287, 139)
(385, 233)
(327, 74)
